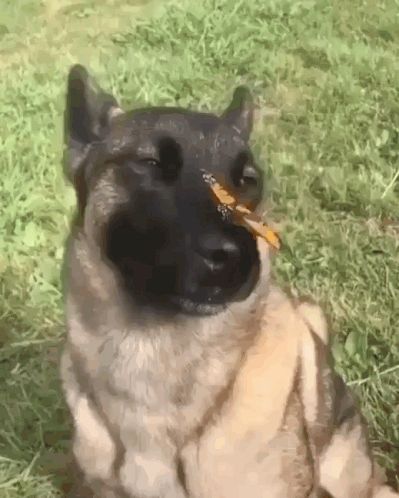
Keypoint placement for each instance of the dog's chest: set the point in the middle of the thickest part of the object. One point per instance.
(172, 377)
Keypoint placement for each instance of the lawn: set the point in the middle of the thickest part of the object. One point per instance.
(325, 75)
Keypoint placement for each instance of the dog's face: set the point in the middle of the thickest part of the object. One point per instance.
(143, 200)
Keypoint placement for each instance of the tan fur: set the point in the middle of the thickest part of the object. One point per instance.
(245, 400)
(138, 389)
(255, 447)
(315, 319)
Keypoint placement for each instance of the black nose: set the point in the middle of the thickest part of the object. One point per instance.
(219, 251)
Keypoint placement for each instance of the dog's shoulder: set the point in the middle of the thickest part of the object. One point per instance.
(281, 307)
(288, 404)
(315, 318)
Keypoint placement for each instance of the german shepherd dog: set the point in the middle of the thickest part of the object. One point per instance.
(187, 373)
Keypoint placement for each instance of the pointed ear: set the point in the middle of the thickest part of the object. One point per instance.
(88, 113)
(240, 112)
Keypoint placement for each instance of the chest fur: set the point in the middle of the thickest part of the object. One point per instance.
(171, 376)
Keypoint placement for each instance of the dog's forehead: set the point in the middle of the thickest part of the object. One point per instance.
(189, 128)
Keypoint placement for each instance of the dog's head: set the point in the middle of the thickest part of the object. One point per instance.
(143, 201)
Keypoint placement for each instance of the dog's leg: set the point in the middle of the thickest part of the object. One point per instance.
(344, 464)
(150, 464)
(151, 474)
(93, 448)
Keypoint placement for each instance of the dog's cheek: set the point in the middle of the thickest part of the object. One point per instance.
(104, 198)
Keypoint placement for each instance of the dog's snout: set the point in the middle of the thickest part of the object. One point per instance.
(220, 251)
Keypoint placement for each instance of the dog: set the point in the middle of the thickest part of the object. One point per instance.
(187, 373)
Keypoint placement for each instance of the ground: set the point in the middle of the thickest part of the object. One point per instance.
(325, 75)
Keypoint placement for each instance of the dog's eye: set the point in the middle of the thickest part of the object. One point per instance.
(249, 177)
(149, 161)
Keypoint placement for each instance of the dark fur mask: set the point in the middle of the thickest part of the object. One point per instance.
(143, 202)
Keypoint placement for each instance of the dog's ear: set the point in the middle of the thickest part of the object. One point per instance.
(240, 112)
(88, 113)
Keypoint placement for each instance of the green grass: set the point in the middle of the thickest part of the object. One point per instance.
(326, 80)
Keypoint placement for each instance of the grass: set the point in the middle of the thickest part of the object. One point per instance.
(325, 77)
